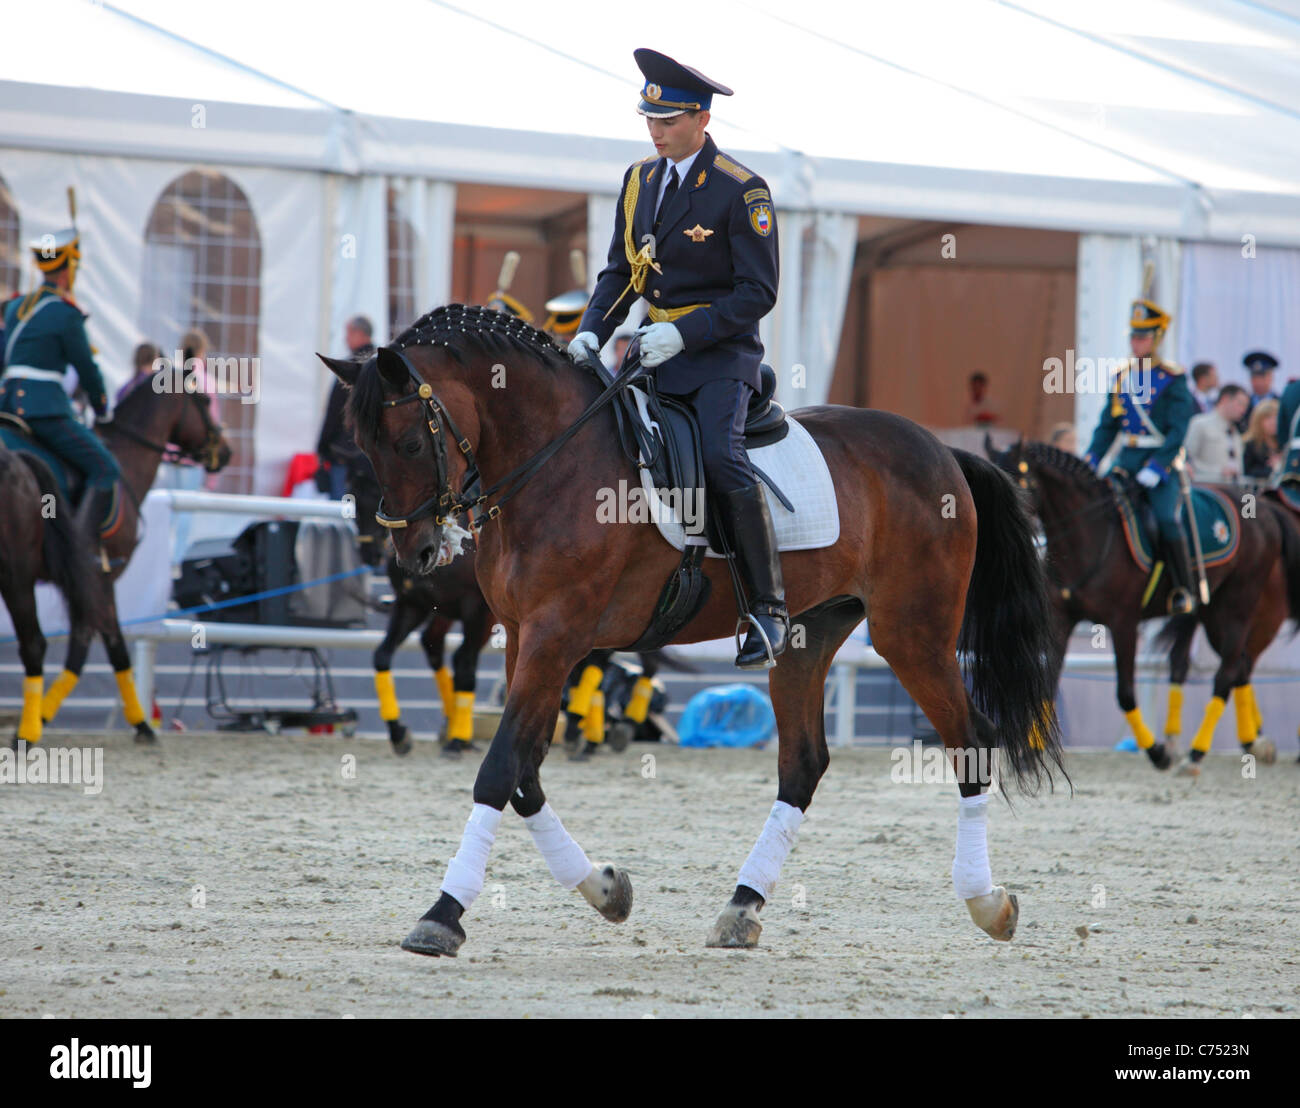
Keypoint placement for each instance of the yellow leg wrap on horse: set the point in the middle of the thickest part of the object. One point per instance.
(593, 723)
(462, 717)
(1141, 732)
(446, 690)
(130, 702)
(56, 693)
(1205, 733)
(580, 698)
(1174, 720)
(389, 709)
(1254, 709)
(638, 704)
(1246, 732)
(29, 723)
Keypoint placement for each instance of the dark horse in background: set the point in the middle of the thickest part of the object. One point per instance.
(1094, 578)
(138, 436)
(934, 548)
(39, 541)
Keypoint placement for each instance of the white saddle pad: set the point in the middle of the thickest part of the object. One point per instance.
(799, 470)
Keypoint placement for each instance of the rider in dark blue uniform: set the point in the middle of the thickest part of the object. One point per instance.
(695, 235)
(1149, 409)
(45, 332)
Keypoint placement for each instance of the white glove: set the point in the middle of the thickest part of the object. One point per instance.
(584, 343)
(659, 342)
(1149, 477)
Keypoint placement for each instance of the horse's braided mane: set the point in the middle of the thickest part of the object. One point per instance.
(461, 330)
(1070, 464)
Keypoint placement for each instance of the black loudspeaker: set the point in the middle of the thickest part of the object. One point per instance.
(273, 555)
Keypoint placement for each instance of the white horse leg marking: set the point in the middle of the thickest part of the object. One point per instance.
(763, 866)
(467, 871)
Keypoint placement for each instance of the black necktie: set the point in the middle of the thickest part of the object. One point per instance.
(667, 198)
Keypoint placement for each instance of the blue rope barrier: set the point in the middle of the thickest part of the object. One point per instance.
(233, 602)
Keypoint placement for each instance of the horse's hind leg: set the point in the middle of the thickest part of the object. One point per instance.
(934, 681)
(120, 659)
(79, 639)
(20, 599)
(798, 687)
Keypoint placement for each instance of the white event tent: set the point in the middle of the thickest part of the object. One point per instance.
(1167, 129)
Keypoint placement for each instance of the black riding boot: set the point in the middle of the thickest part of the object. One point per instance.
(1182, 598)
(753, 538)
(93, 517)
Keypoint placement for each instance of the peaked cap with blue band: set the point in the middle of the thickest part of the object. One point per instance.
(672, 88)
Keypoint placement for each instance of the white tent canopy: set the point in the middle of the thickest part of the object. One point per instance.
(1177, 117)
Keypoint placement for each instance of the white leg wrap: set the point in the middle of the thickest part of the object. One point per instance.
(467, 871)
(971, 875)
(566, 860)
(763, 866)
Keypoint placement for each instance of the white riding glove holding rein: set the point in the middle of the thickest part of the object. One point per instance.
(1149, 478)
(584, 343)
(659, 342)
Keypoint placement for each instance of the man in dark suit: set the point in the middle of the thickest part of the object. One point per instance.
(339, 456)
(695, 235)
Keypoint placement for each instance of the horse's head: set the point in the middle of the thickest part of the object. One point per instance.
(200, 437)
(153, 417)
(1016, 462)
(400, 426)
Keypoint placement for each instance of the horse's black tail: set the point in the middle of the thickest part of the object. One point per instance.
(1006, 634)
(69, 566)
(1290, 524)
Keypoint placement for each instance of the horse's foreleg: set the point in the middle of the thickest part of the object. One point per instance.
(120, 659)
(508, 773)
(21, 602)
(1180, 660)
(79, 638)
(402, 620)
(1125, 641)
(797, 685)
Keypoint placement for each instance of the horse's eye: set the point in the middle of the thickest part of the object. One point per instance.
(412, 447)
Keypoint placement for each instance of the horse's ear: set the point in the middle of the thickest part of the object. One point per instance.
(342, 368)
(989, 449)
(393, 368)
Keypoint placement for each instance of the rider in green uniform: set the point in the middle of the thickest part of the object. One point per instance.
(1149, 408)
(45, 332)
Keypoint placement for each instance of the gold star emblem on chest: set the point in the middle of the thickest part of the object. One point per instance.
(698, 233)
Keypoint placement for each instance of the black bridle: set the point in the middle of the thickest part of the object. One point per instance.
(472, 499)
(1033, 487)
(208, 455)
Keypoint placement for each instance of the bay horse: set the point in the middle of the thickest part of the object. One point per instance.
(144, 423)
(473, 411)
(1094, 578)
(39, 541)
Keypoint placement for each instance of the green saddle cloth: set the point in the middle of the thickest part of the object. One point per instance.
(1216, 522)
(1288, 489)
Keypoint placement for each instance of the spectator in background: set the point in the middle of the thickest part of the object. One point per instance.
(1205, 385)
(1261, 366)
(979, 412)
(1261, 452)
(335, 448)
(1065, 437)
(142, 362)
(1213, 443)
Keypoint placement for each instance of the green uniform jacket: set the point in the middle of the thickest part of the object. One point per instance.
(1169, 406)
(1288, 429)
(53, 338)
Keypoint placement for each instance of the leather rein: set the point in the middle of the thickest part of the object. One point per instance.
(472, 499)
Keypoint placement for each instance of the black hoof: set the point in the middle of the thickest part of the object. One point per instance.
(1159, 756)
(400, 737)
(144, 734)
(584, 752)
(621, 735)
(434, 939)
